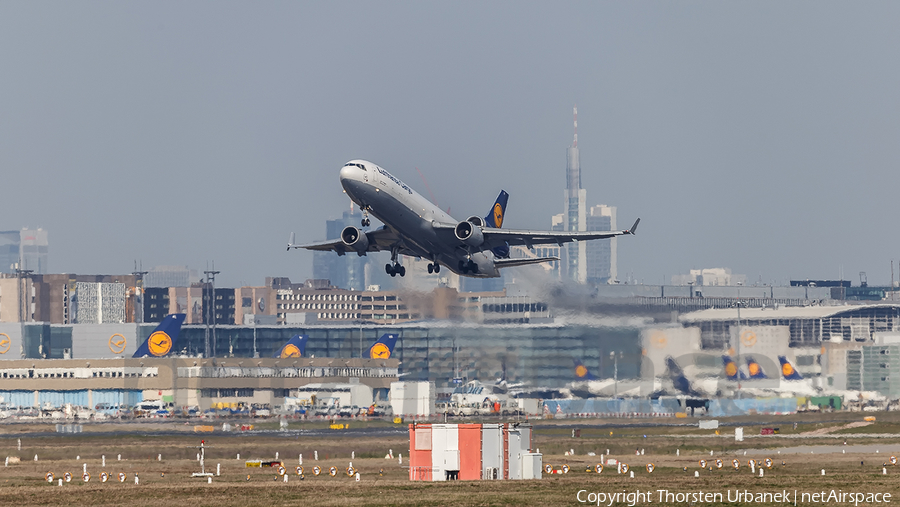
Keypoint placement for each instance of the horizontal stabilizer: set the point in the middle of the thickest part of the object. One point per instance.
(510, 263)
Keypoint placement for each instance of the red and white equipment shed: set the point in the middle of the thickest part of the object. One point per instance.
(441, 452)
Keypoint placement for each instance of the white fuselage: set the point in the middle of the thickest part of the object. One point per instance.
(410, 215)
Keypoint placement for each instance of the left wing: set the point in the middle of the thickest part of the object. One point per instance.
(378, 240)
(496, 237)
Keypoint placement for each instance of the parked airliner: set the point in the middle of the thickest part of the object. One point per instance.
(475, 247)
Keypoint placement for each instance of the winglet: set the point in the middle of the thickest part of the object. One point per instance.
(290, 242)
(634, 227)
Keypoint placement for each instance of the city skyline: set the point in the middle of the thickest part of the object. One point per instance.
(757, 137)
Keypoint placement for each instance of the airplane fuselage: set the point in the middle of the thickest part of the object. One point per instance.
(412, 216)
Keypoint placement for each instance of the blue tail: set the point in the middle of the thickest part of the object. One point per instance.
(731, 369)
(495, 219)
(295, 347)
(755, 369)
(498, 210)
(581, 371)
(679, 380)
(384, 347)
(161, 341)
(787, 370)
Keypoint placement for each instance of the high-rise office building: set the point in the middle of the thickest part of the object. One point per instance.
(601, 254)
(346, 271)
(25, 249)
(576, 212)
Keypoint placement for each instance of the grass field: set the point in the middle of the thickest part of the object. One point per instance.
(384, 482)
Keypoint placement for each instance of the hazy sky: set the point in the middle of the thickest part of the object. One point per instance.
(759, 136)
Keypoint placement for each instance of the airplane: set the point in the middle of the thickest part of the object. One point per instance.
(732, 372)
(161, 341)
(756, 371)
(295, 347)
(787, 370)
(698, 388)
(587, 385)
(384, 347)
(476, 247)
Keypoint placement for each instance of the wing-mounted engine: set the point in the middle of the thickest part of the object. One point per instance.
(469, 232)
(355, 239)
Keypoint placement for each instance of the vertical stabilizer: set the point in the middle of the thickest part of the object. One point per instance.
(161, 341)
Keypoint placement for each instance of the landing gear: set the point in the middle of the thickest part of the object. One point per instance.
(365, 220)
(467, 266)
(434, 268)
(395, 269)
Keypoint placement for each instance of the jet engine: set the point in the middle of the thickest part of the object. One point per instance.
(476, 220)
(355, 239)
(469, 232)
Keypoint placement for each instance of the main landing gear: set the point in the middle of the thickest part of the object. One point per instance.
(434, 268)
(467, 266)
(395, 269)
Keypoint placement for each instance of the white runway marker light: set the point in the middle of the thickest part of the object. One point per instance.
(103, 461)
(823, 471)
(316, 455)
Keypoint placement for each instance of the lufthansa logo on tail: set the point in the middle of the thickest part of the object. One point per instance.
(380, 351)
(580, 371)
(787, 369)
(159, 343)
(754, 368)
(290, 350)
(731, 369)
(498, 215)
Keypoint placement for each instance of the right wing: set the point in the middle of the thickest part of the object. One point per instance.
(382, 239)
(510, 263)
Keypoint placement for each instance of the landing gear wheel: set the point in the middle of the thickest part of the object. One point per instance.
(437, 267)
(473, 267)
(389, 269)
(401, 270)
(430, 269)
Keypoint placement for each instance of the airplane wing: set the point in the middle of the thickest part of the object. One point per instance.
(379, 240)
(497, 237)
(510, 263)
(501, 237)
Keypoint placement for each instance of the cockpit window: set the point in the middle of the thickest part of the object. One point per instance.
(356, 165)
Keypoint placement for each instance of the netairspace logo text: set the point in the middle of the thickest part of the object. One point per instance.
(795, 497)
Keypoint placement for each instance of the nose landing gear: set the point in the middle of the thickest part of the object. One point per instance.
(365, 219)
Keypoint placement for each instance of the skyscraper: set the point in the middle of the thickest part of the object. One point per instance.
(345, 271)
(26, 248)
(601, 254)
(576, 215)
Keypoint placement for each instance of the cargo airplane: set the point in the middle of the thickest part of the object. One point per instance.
(414, 226)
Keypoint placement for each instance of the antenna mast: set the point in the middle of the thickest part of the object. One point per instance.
(575, 112)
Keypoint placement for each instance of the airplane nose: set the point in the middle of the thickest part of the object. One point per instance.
(348, 172)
